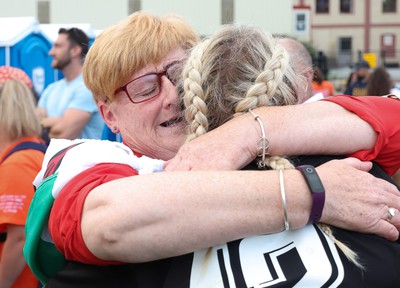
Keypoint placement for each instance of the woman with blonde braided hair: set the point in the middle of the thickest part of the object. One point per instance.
(235, 71)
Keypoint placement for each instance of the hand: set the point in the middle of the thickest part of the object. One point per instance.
(356, 200)
(228, 147)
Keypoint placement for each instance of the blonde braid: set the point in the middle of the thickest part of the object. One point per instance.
(194, 101)
(265, 90)
(350, 254)
(270, 88)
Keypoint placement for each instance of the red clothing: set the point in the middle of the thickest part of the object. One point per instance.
(64, 223)
(16, 191)
(65, 220)
(381, 113)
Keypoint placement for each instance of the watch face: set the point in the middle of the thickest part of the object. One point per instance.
(312, 179)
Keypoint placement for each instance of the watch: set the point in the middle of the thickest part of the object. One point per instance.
(317, 191)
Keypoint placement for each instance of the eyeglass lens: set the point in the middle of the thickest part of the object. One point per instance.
(149, 86)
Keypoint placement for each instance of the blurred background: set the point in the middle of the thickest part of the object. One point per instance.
(337, 33)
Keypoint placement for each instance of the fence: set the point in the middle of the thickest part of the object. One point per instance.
(384, 58)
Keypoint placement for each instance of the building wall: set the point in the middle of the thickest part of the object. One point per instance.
(18, 8)
(334, 16)
(271, 15)
(95, 12)
(323, 30)
(203, 15)
(365, 25)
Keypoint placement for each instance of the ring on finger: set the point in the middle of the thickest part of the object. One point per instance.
(391, 212)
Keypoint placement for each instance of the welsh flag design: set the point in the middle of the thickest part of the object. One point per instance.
(64, 160)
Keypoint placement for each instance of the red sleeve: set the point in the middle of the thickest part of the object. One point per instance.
(65, 216)
(383, 115)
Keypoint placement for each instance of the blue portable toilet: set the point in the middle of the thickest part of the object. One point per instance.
(50, 31)
(22, 45)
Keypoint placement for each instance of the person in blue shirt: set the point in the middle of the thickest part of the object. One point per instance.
(66, 107)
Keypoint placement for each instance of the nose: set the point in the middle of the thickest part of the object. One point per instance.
(169, 91)
(51, 52)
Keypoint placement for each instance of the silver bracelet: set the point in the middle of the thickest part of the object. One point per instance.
(283, 195)
(262, 143)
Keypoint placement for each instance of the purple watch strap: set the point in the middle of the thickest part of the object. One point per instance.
(317, 191)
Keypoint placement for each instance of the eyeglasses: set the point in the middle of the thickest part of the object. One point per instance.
(147, 87)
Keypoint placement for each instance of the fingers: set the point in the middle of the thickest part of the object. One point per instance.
(355, 200)
(388, 226)
(358, 164)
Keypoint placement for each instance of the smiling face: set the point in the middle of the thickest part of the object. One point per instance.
(153, 128)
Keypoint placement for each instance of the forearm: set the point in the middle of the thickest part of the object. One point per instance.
(154, 216)
(50, 124)
(315, 128)
(219, 207)
(12, 261)
(59, 128)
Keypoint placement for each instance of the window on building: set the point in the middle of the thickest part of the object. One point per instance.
(345, 44)
(389, 6)
(388, 45)
(345, 51)
(346, 6)
(43, 8)
(300, 22)
(227, 11)
(322, 6)
(134, 6)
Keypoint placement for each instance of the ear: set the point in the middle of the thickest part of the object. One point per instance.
(107, 114)
(309, 73)
(76, 51)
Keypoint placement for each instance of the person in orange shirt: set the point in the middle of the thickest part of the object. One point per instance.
(19, 125)
(320, 85)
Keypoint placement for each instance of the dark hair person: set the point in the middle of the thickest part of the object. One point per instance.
(379, 82)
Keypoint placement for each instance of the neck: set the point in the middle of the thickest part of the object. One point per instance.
(72, 71)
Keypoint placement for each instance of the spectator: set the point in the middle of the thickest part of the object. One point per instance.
(359, 86)
(350, 80)
(66, 107)
(379, 82)
(320, 85)
(19, 126)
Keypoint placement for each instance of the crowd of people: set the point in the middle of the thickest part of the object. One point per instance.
(364, 80)
(199, 193)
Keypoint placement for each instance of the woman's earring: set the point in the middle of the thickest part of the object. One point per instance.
(115, 128)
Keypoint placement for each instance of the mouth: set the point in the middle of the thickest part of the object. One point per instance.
(172, 122)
